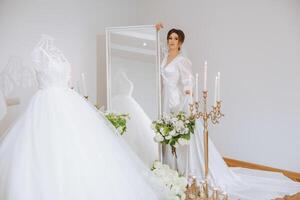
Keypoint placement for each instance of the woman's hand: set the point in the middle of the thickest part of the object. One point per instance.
(159, 26)
(187, 92)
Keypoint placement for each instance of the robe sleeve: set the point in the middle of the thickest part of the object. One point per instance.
(186, 77)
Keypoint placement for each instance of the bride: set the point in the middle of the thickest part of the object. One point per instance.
(62, 149)
(177, 85)
(239, 183)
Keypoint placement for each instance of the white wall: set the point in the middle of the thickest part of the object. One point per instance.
(74, 25)
(256, 47)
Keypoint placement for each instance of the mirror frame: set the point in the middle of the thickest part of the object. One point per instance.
(108, 32)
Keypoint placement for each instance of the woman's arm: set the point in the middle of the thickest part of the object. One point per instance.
(186, 76)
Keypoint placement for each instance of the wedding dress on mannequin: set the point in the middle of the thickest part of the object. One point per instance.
(239, 183)
(61, 148)
(139, 134)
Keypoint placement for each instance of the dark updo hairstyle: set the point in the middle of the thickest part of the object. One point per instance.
(180, 34)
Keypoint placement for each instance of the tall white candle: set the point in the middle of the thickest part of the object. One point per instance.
(216, 90)
(197, 88)
(219, 86)
(84, 88)
(205, 76)
(191, 82)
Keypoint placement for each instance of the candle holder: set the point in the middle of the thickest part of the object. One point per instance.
(208, 192)
(196, 191)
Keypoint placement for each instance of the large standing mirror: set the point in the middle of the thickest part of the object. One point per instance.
(133, 84)
(133, 67)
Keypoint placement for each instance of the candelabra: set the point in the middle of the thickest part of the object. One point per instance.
(207, 191)
(196, 191)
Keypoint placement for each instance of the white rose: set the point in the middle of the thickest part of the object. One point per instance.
(168, 137)
(175, 189)
(181, 182)
(161, 130)
(180, 124)
(172, 133)
(158, 138)
(186, 130)
(177, 133)
(183, 142)
(167, 118)
(174, 120)
(157, 165)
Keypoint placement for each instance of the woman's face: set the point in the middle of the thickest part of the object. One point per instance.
(173, 42)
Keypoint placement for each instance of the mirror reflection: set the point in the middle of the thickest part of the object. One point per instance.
(133, 84)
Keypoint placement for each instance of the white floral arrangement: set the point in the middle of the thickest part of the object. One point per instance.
(174, 183)
(174, 129)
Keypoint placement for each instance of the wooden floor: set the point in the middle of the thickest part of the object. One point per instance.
(294, 197)
(292, 175)
(238, 163)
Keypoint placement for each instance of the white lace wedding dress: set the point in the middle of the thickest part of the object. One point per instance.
(139, 134)
(240, 183)
(60, 148)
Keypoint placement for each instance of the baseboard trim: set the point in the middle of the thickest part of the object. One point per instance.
(238, 163)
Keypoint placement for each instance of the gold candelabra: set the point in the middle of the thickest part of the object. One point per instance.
(196, 191)
(206, 191)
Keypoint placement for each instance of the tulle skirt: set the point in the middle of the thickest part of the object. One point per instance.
(139, 135)
(61, 148)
